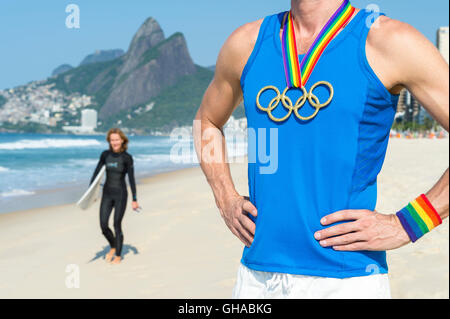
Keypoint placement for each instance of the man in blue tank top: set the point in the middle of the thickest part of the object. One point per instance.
(320, 85)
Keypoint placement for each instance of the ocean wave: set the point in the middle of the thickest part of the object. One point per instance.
(16, 192)
(152, 159)
(152, 143)
(83, 162)
(3, 169)
(185, 153)
(48, 143)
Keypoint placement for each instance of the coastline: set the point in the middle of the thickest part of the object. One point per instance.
(140, 180)
(70, 194)
(42, 243)
(179, 247)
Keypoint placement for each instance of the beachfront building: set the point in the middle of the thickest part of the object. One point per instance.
(88, 123)
(409, 109)
(442, 41)
(89, 118)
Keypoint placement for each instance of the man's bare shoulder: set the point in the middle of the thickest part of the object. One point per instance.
(238, 48)
(394, 37)
(244, 38)
(395, 49)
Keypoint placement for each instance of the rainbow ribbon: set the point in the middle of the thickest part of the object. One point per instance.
(295, 77)
(418, 217)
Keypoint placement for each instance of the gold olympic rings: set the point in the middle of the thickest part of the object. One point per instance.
(287, 103)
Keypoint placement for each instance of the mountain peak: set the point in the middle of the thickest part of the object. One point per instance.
(61, 69)
(102, 56)
(151, 64)
(148, 35)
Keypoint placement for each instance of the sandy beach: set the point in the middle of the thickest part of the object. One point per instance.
(179, 247)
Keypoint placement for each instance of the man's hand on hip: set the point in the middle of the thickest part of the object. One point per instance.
(368, 230)
(234, 211)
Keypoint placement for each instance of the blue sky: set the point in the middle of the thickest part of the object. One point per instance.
(34, 39)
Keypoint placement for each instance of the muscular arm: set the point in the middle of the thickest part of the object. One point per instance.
(404, 58)
(100, 163)
(220, 99)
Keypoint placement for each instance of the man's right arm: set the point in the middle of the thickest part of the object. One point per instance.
(219, 101)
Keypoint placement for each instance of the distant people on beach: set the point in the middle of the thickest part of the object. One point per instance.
(118, 163)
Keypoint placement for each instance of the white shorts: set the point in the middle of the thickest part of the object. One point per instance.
(253, 284)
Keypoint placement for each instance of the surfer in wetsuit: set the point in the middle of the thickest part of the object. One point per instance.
(118, 163)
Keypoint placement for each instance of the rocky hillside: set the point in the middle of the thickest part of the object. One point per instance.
(102, 56)
(154, 86)
(61, 69)
(151, 64)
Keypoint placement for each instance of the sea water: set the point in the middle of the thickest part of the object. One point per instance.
(39, 170)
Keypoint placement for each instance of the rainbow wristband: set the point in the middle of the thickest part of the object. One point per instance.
(418, 217)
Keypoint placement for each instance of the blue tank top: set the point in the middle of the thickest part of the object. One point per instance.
(324, 164)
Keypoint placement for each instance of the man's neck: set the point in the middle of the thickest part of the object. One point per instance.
(311, 15)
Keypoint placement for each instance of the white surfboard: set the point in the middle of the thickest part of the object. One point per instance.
(92, 194)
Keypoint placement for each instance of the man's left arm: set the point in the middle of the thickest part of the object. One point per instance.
(403, 58)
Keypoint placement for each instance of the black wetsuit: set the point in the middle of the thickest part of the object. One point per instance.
(115, 193)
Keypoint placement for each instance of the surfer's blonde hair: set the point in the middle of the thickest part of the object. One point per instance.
(122, 136)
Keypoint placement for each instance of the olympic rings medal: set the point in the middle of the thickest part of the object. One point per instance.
(317, 104)
(287, 102)
(273, 103)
